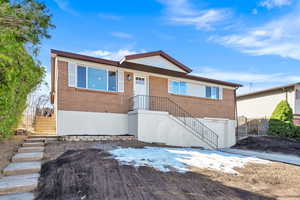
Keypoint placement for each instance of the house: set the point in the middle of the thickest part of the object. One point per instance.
(149, 95)
(261, 104)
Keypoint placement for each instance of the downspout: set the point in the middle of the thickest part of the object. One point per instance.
(236, 114)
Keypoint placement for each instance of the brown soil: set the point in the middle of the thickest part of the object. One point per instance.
(56, 148)
(7, 149)
(270, 144)
(93, 174)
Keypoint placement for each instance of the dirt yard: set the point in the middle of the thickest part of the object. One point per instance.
(92, 174)
(270, 144)
(7, 149)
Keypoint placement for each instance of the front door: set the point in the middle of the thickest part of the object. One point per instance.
(140, 92)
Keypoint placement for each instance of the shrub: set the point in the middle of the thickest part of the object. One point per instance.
(19, 75)
(23, 24)
(283, 112)
(281, 121)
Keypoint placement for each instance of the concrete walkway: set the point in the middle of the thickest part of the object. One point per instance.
(21, 176)
(289, 159)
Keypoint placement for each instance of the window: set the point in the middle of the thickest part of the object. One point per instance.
(212, 92)
(139, 80)
(96, 79)
(112, 81)
(81, 77)
(175, 87)
(182, 88)
(194, 89)
(178, 87)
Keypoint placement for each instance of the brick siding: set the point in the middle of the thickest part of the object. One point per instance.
(75, 99)
(198, 107)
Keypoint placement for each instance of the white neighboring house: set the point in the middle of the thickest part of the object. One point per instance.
(261, 104)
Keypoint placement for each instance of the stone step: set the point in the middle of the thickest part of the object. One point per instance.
(22, 168)
(18, 183)
(25, 157)
(33, 144)
(18, 196)
(30, 149)
(35, 140)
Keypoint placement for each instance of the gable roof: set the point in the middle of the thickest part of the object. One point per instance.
(162, 54)
(84, 57)
(150, 69)
(279, 88)
(141, 67)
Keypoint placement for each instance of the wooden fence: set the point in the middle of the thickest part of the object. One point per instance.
(251, 127)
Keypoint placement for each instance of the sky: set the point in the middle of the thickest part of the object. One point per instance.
(255, 43)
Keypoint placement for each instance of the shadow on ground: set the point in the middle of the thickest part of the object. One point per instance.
(92, 174)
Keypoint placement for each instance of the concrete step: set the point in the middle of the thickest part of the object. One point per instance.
(38, 135)
(18, 196)
(18, 183)
(22, 168)
(27, 157)
(49, 126)
(45, 131)
(31, 149)
(33, 144)
(45, 124)
(35, 139)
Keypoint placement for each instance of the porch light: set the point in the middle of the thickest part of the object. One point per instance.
(129, 77)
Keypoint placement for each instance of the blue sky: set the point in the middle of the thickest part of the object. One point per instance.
(255, 43)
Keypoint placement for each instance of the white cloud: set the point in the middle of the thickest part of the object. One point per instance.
(254, 11)
(109, 16)
(182, 12)
(275, 3)
(278, 37)
(64, 5)
(204, 20)
(251, 81)
(245, 76)
(112, 55)
(121, 35)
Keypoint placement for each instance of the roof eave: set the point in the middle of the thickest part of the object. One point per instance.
(160, 53)
(269, 90)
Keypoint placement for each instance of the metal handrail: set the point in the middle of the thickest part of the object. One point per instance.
(157, 103)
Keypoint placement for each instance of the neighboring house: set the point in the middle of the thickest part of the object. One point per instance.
(149, 95)
(262, 103)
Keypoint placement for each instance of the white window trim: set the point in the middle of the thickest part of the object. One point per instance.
(170, 81)
(86, 78)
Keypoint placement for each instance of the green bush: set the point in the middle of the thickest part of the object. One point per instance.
(23, 24)
(283, 112)
(19, 75)
(281, 122)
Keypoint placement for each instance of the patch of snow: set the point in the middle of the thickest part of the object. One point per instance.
(182, 159)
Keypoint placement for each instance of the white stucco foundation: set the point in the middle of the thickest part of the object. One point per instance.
(91, 123)
(160, 127)
(147, 126)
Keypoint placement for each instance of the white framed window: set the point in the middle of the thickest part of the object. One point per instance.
(178, 87)
(196, 90)
(96, 79)
(212, 92)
